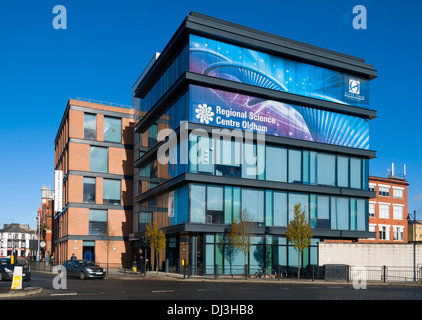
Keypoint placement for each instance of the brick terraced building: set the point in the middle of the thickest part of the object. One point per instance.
(94, 149)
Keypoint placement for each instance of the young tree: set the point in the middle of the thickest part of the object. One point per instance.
(156, 240)
(240, 235)
(299, 233)
(108, 241)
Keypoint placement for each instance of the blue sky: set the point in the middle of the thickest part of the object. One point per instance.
(108, 43)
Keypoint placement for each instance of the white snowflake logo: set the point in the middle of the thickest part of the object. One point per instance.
(204, 113)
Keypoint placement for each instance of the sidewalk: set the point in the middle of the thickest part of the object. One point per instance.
(152, 275)
(28, 291)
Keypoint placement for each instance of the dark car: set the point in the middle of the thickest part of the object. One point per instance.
(83, 269)
(7, 269)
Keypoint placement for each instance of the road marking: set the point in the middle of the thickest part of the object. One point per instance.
(162, 291)
(209, 289)
(64, 294)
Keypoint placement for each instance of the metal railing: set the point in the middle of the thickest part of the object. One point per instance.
(111, 104)
(387, 274)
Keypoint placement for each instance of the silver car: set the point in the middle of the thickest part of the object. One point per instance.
(83, 269)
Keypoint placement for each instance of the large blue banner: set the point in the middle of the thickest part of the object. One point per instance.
(236, 111)
(227, 61)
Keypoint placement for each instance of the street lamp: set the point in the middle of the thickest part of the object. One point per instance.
(39, 235)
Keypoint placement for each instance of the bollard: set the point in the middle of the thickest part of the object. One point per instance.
(384, 274)
(215, 271)
(312, 272)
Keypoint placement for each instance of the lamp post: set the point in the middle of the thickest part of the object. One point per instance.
(414, 243)
(39, 235)
(414, 246)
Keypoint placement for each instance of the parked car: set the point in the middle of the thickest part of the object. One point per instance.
(7, 269)
(83, 269)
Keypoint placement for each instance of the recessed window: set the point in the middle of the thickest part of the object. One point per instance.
(90, 126)
(112, 129)
(98, 159)
(89, 190)
(111, 191)
(372, 210)
(97, 222)
(326, 172)
(398, 212)
(384, 211)
(398, 193)
(384, 191)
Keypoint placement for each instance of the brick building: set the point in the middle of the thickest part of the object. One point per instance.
(45, 213)
(94, 149)
(388, 210)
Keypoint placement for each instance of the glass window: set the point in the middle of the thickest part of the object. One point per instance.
(228, 202)
(384, 211)
(339, 213)
(143, 219)
(297, 198)
(276, 164)
(268, 208)
(280, 209)
(313, 215)
(365, 174)
(215, 198)
(355, 173)
(353, 213)
(253, 204)
(398, 193)
(295, 166)
(236, 203)
(90, 126)
(98, 159)
(326, 169)
(384, 191)
(197, 203)
(323, 211)
(111, 191)
(181, 205)
(97, 222)
(112, 129)
(371, 210)
(152, 135)
(89, 190)
(249, 161)
(227, 158)
(362, 217)
(343, 171)
(306, 166)
(205, 155)
(397, 212)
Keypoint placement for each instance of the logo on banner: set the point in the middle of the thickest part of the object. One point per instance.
(204, 113)
(354, 86)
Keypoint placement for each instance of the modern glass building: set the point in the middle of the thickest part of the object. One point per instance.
(221, 88)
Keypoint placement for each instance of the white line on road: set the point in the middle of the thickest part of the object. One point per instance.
(64, 294)
(162, 291)
(209, 289)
